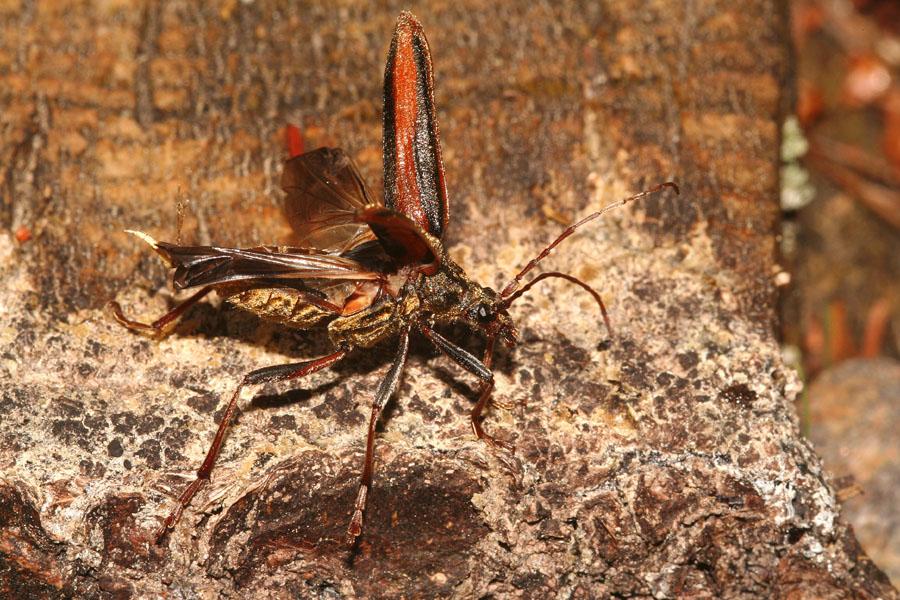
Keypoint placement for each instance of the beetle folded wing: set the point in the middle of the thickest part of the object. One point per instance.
(324, 191)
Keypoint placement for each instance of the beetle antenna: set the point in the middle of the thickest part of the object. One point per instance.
(504, 304)
(180, 208)
(513, 285)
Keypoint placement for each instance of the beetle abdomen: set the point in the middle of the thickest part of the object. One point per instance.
(282, 305)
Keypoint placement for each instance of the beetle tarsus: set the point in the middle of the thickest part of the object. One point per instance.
(356, 521)
(168, 523)
(137, 326)
(482, 435)
(183, 501)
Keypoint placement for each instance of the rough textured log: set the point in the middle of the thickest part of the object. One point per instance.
(665, 463)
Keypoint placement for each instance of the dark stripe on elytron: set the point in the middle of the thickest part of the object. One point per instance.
(428, 168)
(389, 131)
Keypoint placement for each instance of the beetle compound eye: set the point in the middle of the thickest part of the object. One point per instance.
(483, 313)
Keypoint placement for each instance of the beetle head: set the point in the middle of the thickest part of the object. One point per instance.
(488, 314)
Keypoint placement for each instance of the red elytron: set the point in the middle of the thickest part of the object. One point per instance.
(366, 270)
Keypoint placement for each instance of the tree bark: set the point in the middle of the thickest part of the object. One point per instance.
(665, 462)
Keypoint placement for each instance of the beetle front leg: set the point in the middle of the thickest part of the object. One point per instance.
(479, 369)
(487, 388)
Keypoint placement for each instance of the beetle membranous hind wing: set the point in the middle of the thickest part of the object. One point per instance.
(324, 192)
(209, 265)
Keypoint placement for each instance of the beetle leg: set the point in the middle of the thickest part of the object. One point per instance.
(158, 328)
(479, 369)
(264, 375)
(486, 389)
(386, 389)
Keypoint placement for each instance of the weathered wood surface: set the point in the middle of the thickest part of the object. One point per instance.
(667, 463)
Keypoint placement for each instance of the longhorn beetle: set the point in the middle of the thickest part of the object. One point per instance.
(367, 269)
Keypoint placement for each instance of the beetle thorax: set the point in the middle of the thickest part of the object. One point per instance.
(446, 291)
(449, 295)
